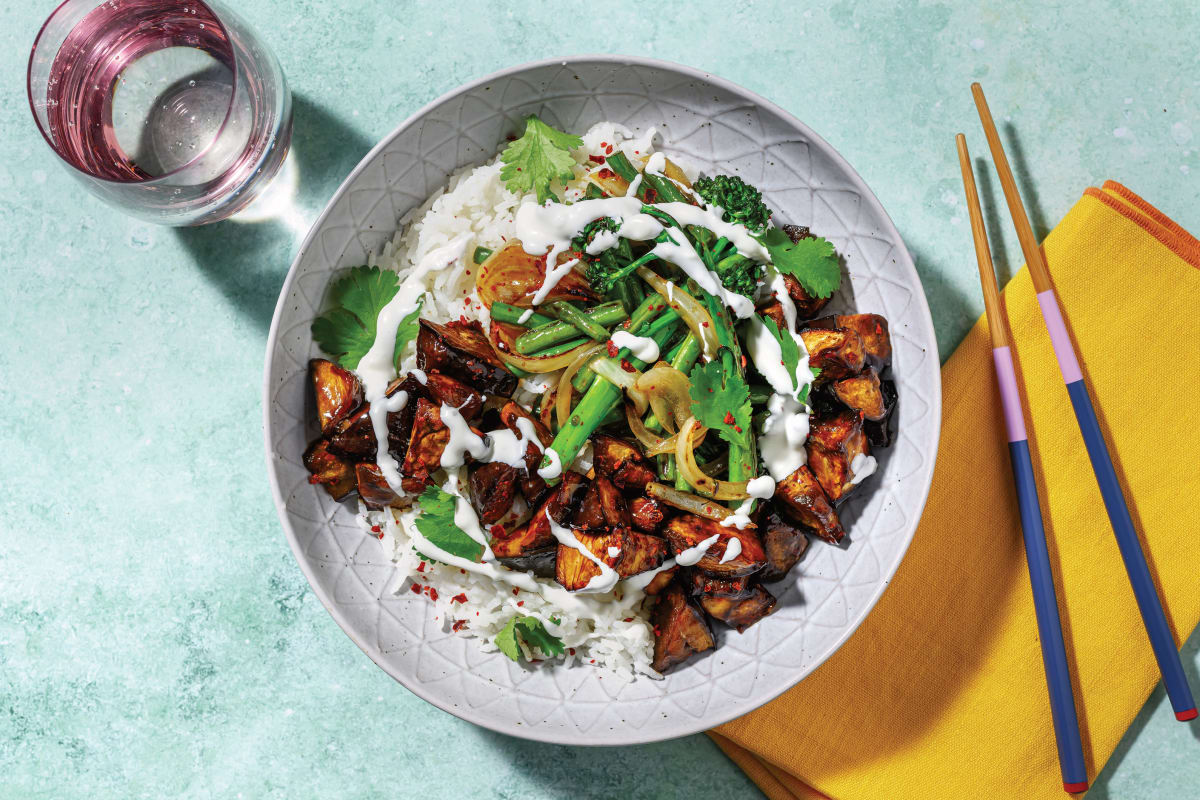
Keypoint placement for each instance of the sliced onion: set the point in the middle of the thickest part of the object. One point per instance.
(512, 276)
(685, 462)
(684, 501)
(562, 403)
(693, 312)
(502, 333)
(669, 393)
(653, 444)
(615, 373)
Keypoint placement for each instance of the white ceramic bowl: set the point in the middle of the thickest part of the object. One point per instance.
(718, 125)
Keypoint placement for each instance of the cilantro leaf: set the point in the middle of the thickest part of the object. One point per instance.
(347, 330)
(542, 154)
(812, 261)
(436, 523)
(532, 632)
(721, 400)
(408, 330)
(787, 346)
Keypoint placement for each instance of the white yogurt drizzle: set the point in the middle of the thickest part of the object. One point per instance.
(862, 466)
(732, 550)
(462, 440)
(608, 577)
(759, 488)
(553, 470)
(692, 555)
(510, 448)
(377, 368)
(642, 347)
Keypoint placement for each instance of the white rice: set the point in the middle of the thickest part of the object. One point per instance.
(613, 634)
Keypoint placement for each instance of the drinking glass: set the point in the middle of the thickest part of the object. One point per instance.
(171, 110)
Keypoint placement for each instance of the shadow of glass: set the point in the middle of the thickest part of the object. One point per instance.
(249, 260)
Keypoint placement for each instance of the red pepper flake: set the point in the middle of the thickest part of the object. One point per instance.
(737, 428)
(379, 536)
(705, 323)
(520, 603)
(516, 590)
(496, 530)
(612, 350)
(606, 173)
(628, 619)
(878, 328)
(625, 365)
(458, 625)
(421, 567)
(728, 418)
(571, 650)
(463, 571)
(459, 598)
(415, 589)
(593, 661)
(743, 362)
(314, 479)
(433, 594)
(596, 159)
(604, 144)
(375, 529)
(650, 195)
(608, 149)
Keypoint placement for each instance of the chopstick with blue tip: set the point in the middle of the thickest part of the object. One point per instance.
(1149, 603)
(1045, 601)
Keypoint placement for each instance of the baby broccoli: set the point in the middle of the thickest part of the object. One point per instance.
(591, 230)
(740, 201)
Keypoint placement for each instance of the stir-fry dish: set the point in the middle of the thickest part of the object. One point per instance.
(590, 403)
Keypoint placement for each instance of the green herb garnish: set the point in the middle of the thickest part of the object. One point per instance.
(436, 523)
(542, 154)
(721, 400)
(812, 261)
(532, 632)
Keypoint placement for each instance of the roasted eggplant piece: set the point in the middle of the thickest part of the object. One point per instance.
(354, 438)
(374, 490)
(335, 474)
(801, 498)
(622, 462)
(680, 629)
(641, 552)
(833, 443)
(721, 587)
(573, 570)
(863, 393)
(739, 613)
(425, 446)
(773, 310)
(493, 487)
(807, 306)
(647, 514)
(337, 391)
(879, 432)
(871, 328)
(536, 535)
(661, 581)
(783, 542)
(461, 350)
(603, 507)
(837, 352)
(688, 530)
(451, 392)
(529, 483)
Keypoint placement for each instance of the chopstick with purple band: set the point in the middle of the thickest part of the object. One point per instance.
(1149, 604)
(1041, 578)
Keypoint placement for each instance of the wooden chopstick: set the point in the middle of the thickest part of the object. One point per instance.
(1037, 557)
(1154, 619)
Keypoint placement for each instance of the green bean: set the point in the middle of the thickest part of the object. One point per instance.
(552, 332)
(593, 192)
(503, 312)
(558, 349)
(619, 164)
(583, 323)
(585, 377)
(481, 254)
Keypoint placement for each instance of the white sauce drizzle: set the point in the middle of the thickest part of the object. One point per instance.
(759, 488)
(420, 375)
(608, 577)
(732, 550)
(613, 552)
(862, 467)
(739, 519)
(553, 470)
(462, 440)
(642, 347)
(510, 448)
(692, 555)
(781, 445)
(525, 315)
(643, 579)
(377, 367)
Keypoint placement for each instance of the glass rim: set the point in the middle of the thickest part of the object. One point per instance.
(119, 181)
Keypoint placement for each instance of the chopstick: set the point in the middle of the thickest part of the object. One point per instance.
(1041, 578)
(1154, 619)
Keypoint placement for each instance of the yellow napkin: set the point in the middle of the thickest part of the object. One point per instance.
(941, 692)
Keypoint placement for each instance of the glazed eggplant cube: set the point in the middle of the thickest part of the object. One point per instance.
(536, 535)
(641, 552)
(353, 438)
(462, 351)
(838, 353)
(337, 391)
(783, 542)
(573, 570)
(862, 393)
(680, 629)
(773, 310)
(873, 330)
(603, 507)
(374, 490)
(445, 390)
(647, 514)
(879, 432)
(721, 587)
(739, 613)
(688, 530)
(622, 462)
(661, 581)
(833, 443)
(335, 474)
(807, 306)
(425, 446)
(801, 498)
(493, 487)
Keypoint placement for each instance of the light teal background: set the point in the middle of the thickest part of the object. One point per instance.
(156, 637)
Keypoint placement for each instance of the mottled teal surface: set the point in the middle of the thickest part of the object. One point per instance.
(156, 637)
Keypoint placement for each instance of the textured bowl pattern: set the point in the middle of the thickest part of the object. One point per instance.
(716, 125)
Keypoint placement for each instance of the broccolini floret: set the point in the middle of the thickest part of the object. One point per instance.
(741, 202)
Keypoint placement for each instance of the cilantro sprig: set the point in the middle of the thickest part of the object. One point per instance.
(532, 632)
(787, 347)
(436, 523)
(812, 261)
(721, 400)
(542, 154)
(347, 330)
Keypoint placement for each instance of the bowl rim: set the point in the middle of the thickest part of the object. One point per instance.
(904, 262)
